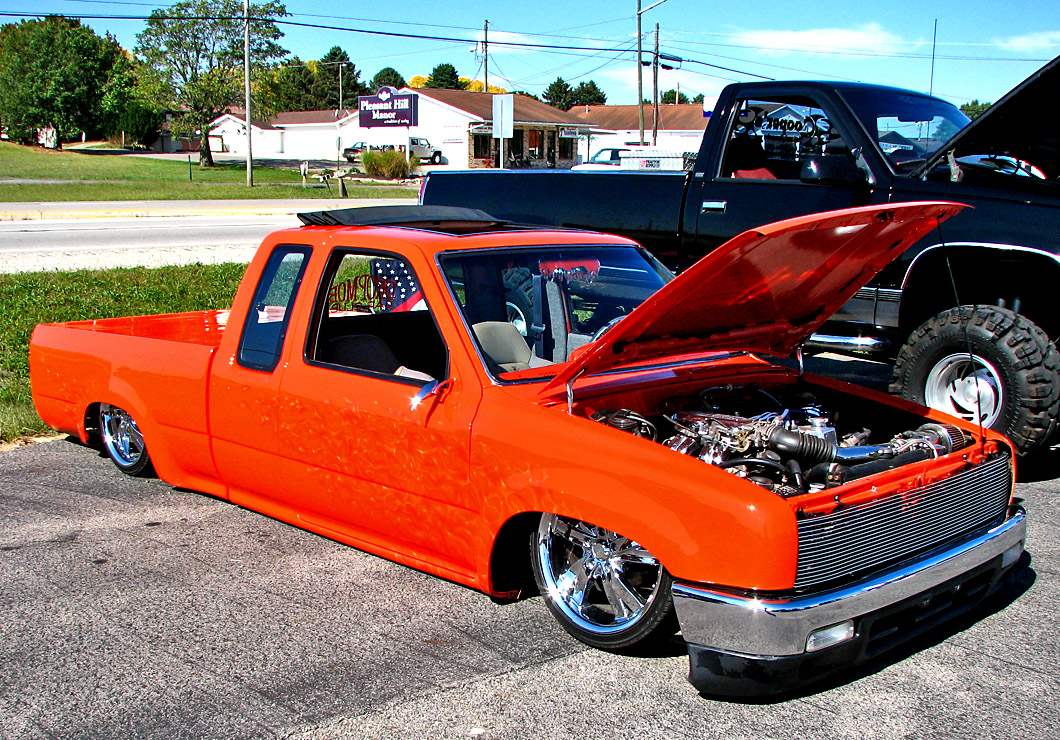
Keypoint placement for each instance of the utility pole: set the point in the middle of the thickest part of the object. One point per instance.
(486, 57)
(640, 79)
(246, 86)
(341, 65)
(655, 91)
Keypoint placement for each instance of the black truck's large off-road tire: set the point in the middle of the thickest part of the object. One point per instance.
(123, 441)
(984, 361)
(519, 298)
(603, 588)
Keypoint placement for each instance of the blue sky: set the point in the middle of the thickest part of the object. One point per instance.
(982, 48)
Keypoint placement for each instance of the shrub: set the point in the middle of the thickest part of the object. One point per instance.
(391, 164)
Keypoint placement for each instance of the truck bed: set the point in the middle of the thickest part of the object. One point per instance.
(155, 367)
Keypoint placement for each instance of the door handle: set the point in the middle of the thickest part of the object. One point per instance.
(433, 388)
(714, 206)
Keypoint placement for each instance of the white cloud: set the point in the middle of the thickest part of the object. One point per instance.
(868, 38)
(1032, 42)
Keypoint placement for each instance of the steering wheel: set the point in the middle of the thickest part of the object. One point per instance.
(607, 327)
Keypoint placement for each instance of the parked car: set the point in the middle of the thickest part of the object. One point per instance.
(603, 159)
(633, 459)
(774, 150)
(353, 152)
(420, 147)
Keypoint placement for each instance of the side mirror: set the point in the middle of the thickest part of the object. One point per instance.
(831, 169)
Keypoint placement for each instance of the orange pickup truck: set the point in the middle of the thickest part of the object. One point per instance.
(625, 451)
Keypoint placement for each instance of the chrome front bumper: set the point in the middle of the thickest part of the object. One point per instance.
(777, 626)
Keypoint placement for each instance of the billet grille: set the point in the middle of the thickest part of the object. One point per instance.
(859, 538)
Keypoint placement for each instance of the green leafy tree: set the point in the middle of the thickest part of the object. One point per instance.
(586, 93)
(558, 94)
(53, 73)
(670, 97)
(698, 100)
(387, 77)
(974, 109)
(444, 77)
(325, 87)
(194, 51)
(289, 87)
(124, 115)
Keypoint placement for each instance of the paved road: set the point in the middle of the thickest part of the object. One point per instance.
(66, 236)
(135, 610)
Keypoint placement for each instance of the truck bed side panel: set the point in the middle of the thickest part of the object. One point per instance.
(161, 383)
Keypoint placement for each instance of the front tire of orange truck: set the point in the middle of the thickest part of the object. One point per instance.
(124, 442)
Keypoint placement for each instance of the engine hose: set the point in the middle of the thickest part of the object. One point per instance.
(760, 461)
(878, 466)
(806, 447)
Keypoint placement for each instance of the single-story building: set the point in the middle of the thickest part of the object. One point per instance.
(680, 126)
(457, 122)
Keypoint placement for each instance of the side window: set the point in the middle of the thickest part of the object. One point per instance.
(270, 311)
(372, 317)
(770, 139)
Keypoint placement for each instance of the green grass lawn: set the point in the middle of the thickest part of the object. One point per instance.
(142, 178)
(31, 298)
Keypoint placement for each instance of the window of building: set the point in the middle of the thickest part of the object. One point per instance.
(481, 144)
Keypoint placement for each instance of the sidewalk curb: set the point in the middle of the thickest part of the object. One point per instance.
(161, 211)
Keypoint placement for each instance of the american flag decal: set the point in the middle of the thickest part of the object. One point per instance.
(396, 287)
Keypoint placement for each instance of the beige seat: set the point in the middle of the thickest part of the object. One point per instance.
(506, 350)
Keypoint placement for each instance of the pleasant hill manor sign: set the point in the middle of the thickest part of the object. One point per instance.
(388, 107)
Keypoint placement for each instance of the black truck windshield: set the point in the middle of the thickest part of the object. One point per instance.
(908, 127)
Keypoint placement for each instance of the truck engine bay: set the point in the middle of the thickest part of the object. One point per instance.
(784, 438)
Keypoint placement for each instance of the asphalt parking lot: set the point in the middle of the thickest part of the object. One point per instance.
(133, 609)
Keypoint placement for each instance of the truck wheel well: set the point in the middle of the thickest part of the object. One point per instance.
(984, 276)
(92, 433)
(510, 568)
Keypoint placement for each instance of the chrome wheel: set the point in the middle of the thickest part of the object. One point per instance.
(967, 387)
(605, 589)
(122, 440)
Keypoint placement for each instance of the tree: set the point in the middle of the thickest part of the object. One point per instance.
(53, 73)
(123, 114)
(194, 50)
(670, 97)
(476, 86)
(444, 77)
(586, 93)
(325, 86)
(558, 94)
(387, 77)
(525, 93)
(290, 87)
(698, 100)
(974, 109)
(418, 81)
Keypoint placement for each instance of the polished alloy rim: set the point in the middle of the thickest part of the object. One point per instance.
(516, 318)
(603, 582)
(121, 435)
(965, 386)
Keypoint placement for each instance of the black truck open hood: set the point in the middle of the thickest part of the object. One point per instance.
(1016, 126)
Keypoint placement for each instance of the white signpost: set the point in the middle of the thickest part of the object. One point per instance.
(503, 115)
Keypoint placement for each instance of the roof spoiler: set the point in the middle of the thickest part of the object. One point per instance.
(424, 217)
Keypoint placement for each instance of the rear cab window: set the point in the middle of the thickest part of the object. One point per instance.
(265, 327)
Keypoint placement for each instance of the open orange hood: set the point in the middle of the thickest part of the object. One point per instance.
(765, 290)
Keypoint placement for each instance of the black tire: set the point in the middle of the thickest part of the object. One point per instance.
(519, 298)
(604, 589)
(1011, 355)
(436, 158)
(123, 441)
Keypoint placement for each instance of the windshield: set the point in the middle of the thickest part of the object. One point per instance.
(531, 308)
(907, 126)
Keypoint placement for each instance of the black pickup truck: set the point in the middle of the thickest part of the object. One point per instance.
(965, 315)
